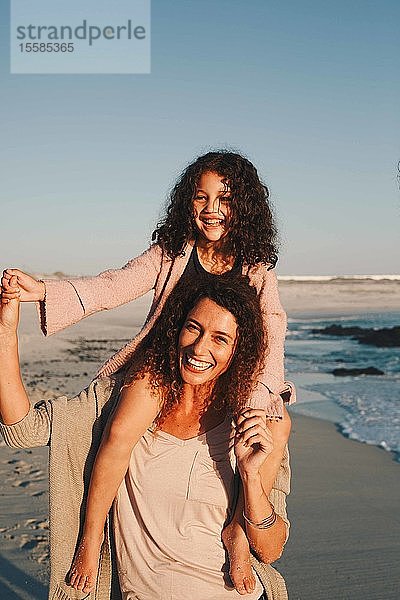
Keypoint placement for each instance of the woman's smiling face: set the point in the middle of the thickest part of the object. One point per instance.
(211, 208)
(206, 343)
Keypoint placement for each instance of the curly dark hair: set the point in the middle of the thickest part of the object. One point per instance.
(252, 234)
(157, 355)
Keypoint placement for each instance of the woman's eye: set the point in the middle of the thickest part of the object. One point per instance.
(221, 339)
(200, 198)
(191, 327)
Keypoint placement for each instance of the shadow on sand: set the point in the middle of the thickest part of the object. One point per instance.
(17, 585)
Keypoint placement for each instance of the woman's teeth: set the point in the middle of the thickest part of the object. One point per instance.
(198, 365)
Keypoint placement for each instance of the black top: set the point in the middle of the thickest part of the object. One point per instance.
(194, 268)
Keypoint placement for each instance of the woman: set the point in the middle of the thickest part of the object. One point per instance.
(168, 539)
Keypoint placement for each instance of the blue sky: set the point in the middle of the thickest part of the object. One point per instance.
(308, 90)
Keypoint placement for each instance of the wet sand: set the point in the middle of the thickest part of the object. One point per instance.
(344, 509)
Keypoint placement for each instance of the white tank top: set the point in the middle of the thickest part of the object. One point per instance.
(169, 514)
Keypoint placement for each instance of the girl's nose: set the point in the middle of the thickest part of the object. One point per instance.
(213, 205)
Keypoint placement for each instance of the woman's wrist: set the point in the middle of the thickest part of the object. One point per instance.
(266, 522)
(254, 474)
(8, 340)
(250, 477)
(257, 506)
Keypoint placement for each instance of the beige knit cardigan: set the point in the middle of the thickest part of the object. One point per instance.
(72, 429)
(68, 301)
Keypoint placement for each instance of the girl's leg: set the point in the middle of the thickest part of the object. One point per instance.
(236, 544)
(136, 410)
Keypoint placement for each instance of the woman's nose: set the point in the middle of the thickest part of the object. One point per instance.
(200, 345)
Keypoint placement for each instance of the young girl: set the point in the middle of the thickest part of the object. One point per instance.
(218, 221)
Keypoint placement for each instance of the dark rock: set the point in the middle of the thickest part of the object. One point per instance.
(363, 371)
(387, 337)
(339, 330)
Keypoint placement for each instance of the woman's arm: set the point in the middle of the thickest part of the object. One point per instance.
(65, 302)
(21, 425)
(261, 453)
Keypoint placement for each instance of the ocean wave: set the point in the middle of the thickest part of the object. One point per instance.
(347, 278)
(372, 410)
(369, 405)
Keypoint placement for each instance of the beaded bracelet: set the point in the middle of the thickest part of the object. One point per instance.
(265, 523)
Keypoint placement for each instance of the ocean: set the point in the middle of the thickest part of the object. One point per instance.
(365, 407)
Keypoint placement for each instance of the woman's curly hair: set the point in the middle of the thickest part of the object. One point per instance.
(252, 234)
(158, 354)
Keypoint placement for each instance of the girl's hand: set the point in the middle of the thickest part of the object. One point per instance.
(31, 290)
(280, 430)
(9, 311)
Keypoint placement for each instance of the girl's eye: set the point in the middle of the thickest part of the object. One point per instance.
(191, 327)
(221, 339)
(200, 198)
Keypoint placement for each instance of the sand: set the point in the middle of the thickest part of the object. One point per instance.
(345, 536)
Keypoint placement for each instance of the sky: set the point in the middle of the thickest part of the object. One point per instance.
(308, 90)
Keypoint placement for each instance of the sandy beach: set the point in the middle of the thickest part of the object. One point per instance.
(345, 535)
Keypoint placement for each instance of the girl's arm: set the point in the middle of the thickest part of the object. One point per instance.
(272, 389)
(135, 412)
(262, 459)
(64, 302)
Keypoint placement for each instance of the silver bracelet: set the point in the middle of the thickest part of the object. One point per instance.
(265, 523)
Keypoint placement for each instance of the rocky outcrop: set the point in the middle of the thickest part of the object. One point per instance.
(363, 371)
(386, 337)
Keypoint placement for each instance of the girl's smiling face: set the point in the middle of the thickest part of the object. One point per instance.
(211, 207)
(207, 342)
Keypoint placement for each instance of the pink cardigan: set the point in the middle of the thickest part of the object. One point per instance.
(69, 301)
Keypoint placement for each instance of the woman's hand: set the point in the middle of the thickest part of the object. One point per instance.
(9, 310)
(30, 290)
(253, 442)
(256, 438)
